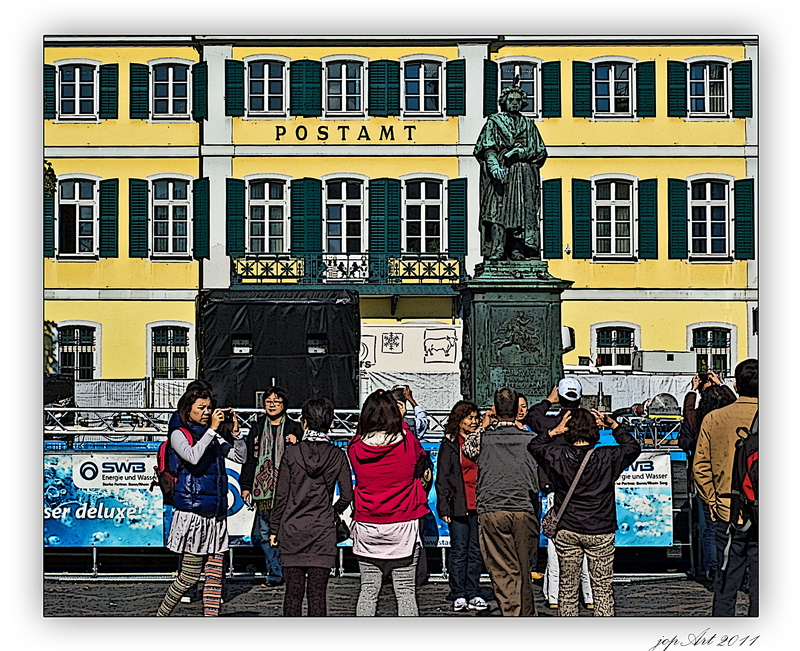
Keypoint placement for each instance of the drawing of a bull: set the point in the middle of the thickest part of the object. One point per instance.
(444, 344)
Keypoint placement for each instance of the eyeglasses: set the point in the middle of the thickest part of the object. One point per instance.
(273, 403)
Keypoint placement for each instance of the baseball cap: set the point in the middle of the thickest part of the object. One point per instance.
(570, 389)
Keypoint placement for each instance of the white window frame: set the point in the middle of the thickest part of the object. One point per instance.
(442, 179)
(593, 347)
(708, 115)
(633, 256)
(536, 113)
(191, 361)
(78, 117)
(612, 115)
(151, 203)
(344, 59)
(95, 252)
(701, 325)
(346, 176)
(727, 256)
(266, 113)
(422, 113)
(170, 117)
(285, 202)
(98, 338)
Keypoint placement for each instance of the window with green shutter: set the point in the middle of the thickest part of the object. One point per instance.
(551, 219)
(137, 215)
(200, 91)
(677, 218)
(305, 88)
(648, 219)
(551, 89)
(139, 91)
(456, 99)
(491, 88)
(744, 219)
(383, 96)
(581, 89)
(613, 226)
(49, 92)
(78, 218)
(200, 218)
(457, 216)
(234, 87)
(742, 76)
(526, 75)
(49, 225)
(646, 89)
(109, 91)
(424, 213)
(676, 89)
(109, 218)
(306, 209)
(235, 208)
(581, 219)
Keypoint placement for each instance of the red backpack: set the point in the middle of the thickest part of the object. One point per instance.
(744, 479)
(166, 477)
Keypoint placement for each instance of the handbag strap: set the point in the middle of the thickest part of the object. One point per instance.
(572, 487)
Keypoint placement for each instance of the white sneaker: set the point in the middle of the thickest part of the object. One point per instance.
(476, 603)
(460, 604)
(186, 599)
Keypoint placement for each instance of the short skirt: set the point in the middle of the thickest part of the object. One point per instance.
(197, 534)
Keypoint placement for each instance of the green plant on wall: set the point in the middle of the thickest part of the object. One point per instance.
(49, 334)
(49, 179)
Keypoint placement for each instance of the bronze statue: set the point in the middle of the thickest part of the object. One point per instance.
(510, 151)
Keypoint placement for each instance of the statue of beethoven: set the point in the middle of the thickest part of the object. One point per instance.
(510, 151)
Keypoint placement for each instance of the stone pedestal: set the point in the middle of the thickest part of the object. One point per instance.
(512, 330)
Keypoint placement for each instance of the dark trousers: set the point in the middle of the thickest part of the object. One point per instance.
(742, 554)
(296, 587)
(422, 564)
(465, 563)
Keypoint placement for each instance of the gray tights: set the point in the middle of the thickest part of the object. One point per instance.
(403, 580)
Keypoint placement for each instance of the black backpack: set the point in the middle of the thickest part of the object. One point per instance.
(744, 479)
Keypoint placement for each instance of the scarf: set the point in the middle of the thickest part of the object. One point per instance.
(311, 435)
(270, 452)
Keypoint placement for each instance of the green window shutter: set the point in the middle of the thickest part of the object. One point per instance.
(200, 91)
(109, 218)
(49, 92)
(551, 89)
(306, 209)
(456, 100)
(646, 89)
(648, 219)
(742, 73)
(137, 215)
(457, 216)
(140, 91)
(551, 218)
(491, 88)
(200, 218)
(581, 89)
(676, 89)
(383, 97)
(49, 225)
(109, 91)
(744, 219)
(378, 192)
(581, 219)
(305, 88)
(393, 216)
(678, 220)
(235, 207)
(234, 88)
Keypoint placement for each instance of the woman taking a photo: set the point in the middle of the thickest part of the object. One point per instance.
(199, 529)
(589, 521)
(302, 520)
(389, 501)
(456, 477)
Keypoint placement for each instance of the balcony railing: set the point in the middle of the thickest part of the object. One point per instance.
(348, 268)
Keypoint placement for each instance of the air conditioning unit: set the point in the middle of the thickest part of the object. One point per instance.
(664, 361)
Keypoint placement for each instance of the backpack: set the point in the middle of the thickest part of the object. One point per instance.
(166, 477)
(744, 479)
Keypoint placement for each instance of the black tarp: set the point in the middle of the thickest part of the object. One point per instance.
(273, 332)
(58, 387)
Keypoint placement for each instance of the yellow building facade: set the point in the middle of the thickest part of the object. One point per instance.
(185, 164)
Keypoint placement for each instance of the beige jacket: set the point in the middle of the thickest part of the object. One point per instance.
(713, 459)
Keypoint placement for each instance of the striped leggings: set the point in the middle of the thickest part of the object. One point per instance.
(191, 565)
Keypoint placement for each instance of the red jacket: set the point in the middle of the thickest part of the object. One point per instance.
(386, 490)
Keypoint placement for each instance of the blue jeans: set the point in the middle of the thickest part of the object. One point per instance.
(260, 537)
(708, 543)
(742, 555)
(466, 563)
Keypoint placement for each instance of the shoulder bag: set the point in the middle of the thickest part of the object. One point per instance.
(551, 518)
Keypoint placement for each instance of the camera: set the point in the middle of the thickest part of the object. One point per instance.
(228, 415)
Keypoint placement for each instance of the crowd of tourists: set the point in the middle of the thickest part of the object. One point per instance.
(494, 468)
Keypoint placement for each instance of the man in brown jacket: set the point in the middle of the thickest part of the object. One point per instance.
(713, 465)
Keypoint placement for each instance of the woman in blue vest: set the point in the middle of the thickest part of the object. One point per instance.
(199, 529)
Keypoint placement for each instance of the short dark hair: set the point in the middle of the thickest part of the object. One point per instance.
(459, 412)
(506, 403)
(746, 375)
(379, 413)
(714, 397)
(187, 400)
(278, 391)
(318, 414)
(582, 426)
